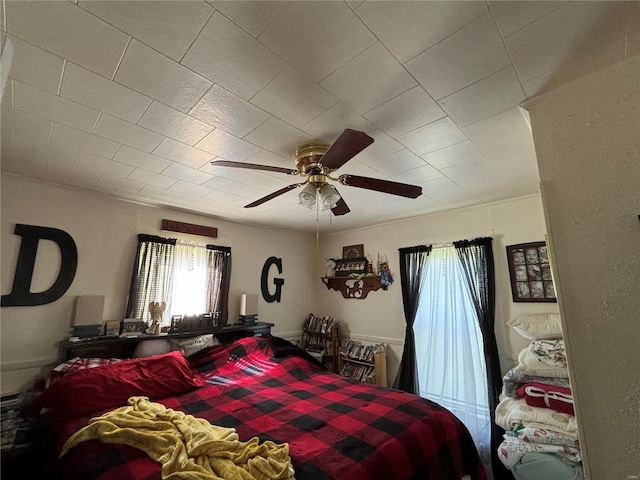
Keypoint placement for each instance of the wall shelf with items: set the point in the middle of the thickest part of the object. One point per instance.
(352, 287)
(364, 363)
(321, 339)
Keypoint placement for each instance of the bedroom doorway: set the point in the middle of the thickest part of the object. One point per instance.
(449, 347)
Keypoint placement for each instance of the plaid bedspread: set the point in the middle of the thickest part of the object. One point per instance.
(336, 428)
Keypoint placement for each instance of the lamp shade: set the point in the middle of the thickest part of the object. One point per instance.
(329, 196)
(307, 196)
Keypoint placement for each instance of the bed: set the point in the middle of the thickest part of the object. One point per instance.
(264, 387)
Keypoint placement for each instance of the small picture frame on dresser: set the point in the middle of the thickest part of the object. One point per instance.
(133, 327)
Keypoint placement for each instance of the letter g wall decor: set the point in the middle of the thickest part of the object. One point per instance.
(278, 282)
(20, 293)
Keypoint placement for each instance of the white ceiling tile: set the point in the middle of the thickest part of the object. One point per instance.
(16, 123)
(73, 176)
(151, 178)
(382, 146)
(478, 178)
(34, 66)
(28, 146)
(169, 27)
(557, 43)
(95, 91)
(121, 184)
(334, 121)
(226, 190)
(174, 124)
(453, 155)
(227, 146)
(447, 192)
(139, 159)
(504, 139)
(190, 189)
(319, 46)
(251, 16)
(44, 104)
(470, 54)
(369, 80)
(512, 16)
(57, 26)
(228, 112)
(70, 137)
(406, 112)
(127, 133)
(230, 57)
(397, 163)
(187, 174)
(434, 136)
(278, 137)
(494, 94)
(409, 28)
(418, 176)
(181, 153)
(294, 98)
(149, 191)
(104, 165)
(152, 74)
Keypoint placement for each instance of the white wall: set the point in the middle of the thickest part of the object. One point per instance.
(587, 137)
(105, 232)
(380, 316)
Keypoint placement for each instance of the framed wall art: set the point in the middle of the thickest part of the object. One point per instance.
(353, 251)
(530, 273)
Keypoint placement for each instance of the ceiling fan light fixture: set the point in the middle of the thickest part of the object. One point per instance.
(307, 196)
(329, 196)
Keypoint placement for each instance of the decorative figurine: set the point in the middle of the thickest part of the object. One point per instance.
(156, 309)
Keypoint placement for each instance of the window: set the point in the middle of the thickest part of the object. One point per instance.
(449, 346)
(191, 278)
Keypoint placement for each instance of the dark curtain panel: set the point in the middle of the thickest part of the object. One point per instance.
(412, 263)
(218, 282)
(476, 257)
(152, 277)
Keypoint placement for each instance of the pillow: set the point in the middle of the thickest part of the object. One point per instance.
(149, 348)
(74, 365)
(98, 389)
(530, 364)
(539, 326)
(189, 346)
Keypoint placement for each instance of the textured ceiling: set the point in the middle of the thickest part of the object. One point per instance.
(134, 99)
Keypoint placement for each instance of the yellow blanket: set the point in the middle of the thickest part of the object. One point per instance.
(188, 448)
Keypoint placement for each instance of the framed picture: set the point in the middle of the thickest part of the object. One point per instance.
(353, 251)
(112, 327)
(347, 266)
(530, 273)
(133, 327)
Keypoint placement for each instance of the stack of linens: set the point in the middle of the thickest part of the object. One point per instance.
(536, 408)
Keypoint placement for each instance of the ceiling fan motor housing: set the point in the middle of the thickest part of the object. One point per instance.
(308, 157)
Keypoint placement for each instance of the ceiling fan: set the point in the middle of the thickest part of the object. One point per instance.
(316, 162)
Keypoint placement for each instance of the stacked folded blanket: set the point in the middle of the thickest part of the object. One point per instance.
(536, 408)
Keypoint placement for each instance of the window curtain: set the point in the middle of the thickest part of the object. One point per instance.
(218, 282)
(476, 257)
(412, 266)
(152, 278)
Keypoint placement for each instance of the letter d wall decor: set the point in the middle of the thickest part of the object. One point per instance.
(20, 293)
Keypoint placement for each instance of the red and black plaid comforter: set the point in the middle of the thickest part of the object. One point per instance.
(336, 428)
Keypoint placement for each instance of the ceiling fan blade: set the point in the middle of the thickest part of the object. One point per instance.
(341, 208)
(273, 195)
(348, 145)
(386, 186)
(253, 166)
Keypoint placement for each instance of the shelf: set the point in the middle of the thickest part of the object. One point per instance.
(379, 366)
(351, 287)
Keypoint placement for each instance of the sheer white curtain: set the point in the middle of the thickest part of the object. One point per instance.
(191, 266)
(449, 347)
